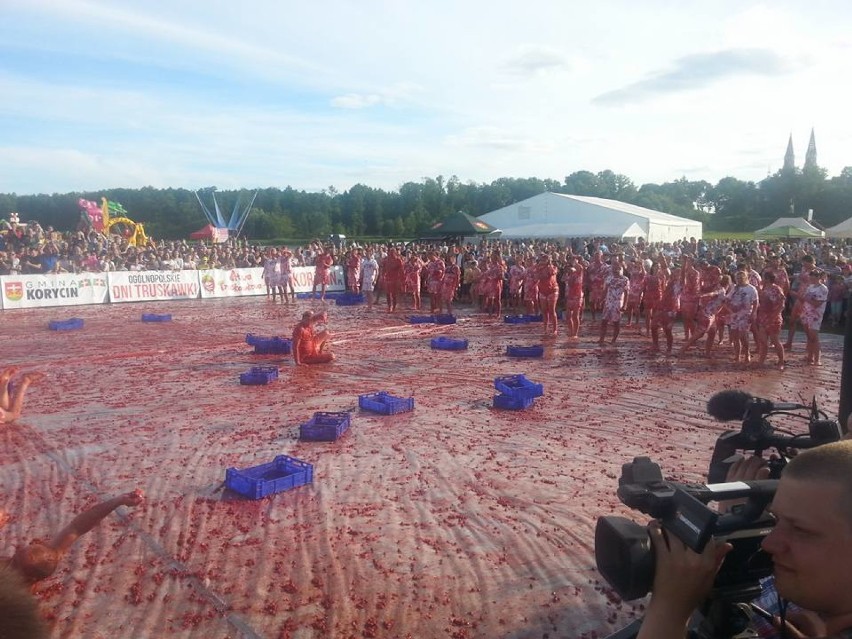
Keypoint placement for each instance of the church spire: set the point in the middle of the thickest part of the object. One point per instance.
(789, 157)
(811, 155)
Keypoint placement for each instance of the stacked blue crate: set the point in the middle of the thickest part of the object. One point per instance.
(516, 392)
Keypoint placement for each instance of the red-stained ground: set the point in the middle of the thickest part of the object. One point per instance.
(456, 520)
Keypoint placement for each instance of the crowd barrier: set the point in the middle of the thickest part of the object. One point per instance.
(77, 289)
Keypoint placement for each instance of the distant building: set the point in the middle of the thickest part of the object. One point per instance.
(810, 156)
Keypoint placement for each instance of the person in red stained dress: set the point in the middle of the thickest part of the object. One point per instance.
(413, 267)
(530, 290)
(709, 303)
(637, 275)
(655, 284)
(492, 287)
(769, 319)
(516, 281)
(689, 296)
(353, 271)
(450, 284)
(574, 296)
(666, 311)
(548, 292)
(802, 281)
(287, 281)
(308, 346)
(39, 559)
(393, 271)
(434, 277)
(322, 273)
(616, 289)
(742, 303)
(596, 273)
(814, 298)
(12, 402)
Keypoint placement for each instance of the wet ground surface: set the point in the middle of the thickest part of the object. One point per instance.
(454, 520)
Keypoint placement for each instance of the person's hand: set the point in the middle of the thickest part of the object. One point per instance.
(744, 469)
(133, 499)
(682, 580)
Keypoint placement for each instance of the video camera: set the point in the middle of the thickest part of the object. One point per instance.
(623, 550)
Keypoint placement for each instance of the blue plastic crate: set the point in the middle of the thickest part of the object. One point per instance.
(152, 317)
(445, 318)
(449, 343)
(270, 345)
(525, 351)
(385, 403)
(259, 375)
(534, 318)
(421, 319)
(282, 473)
(518, 386)
(350, 299)
(66, 325)
(515, 319)
(324, 427)
(508, 402)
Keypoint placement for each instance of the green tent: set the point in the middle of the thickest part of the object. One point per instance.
(459, 224)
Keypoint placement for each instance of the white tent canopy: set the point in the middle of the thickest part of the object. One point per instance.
(789, 227)
(553, 215)
(844, 229)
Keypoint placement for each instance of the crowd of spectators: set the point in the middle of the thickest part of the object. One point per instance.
(30, 249)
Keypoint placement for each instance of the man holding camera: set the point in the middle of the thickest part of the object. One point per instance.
(810, 544)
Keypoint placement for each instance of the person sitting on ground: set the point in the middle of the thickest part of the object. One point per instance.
(38, 560)
(310, 347)
(12, 403)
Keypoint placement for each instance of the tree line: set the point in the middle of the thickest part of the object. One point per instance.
(731, 205)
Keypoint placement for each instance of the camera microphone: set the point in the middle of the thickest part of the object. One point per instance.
(735, 404)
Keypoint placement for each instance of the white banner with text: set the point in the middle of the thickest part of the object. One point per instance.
(53, 289)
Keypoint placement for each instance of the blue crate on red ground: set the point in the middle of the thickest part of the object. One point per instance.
(324, 427)
(525, 351)
(350, 299)
(508, 402)
(259, 375)
(445, 319)
(269, 345)
(443, 343)
(534, 318)
(518, 386)
(516, 319)
(66, 325)
(329, 295)
(153, 317)
(421, 319)
(282, 473)
(385, 403)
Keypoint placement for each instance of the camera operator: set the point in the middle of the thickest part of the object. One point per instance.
(811, 546)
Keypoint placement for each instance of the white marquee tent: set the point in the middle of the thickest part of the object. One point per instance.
(790, 227)
(844, 229)
(553, 215)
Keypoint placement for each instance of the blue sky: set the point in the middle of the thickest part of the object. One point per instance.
(263, 93)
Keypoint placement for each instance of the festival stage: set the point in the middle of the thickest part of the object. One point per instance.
(455, 520)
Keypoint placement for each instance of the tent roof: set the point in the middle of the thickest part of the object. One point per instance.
(844, 229)
(559, 215)
(789, 227)
(459, 223)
